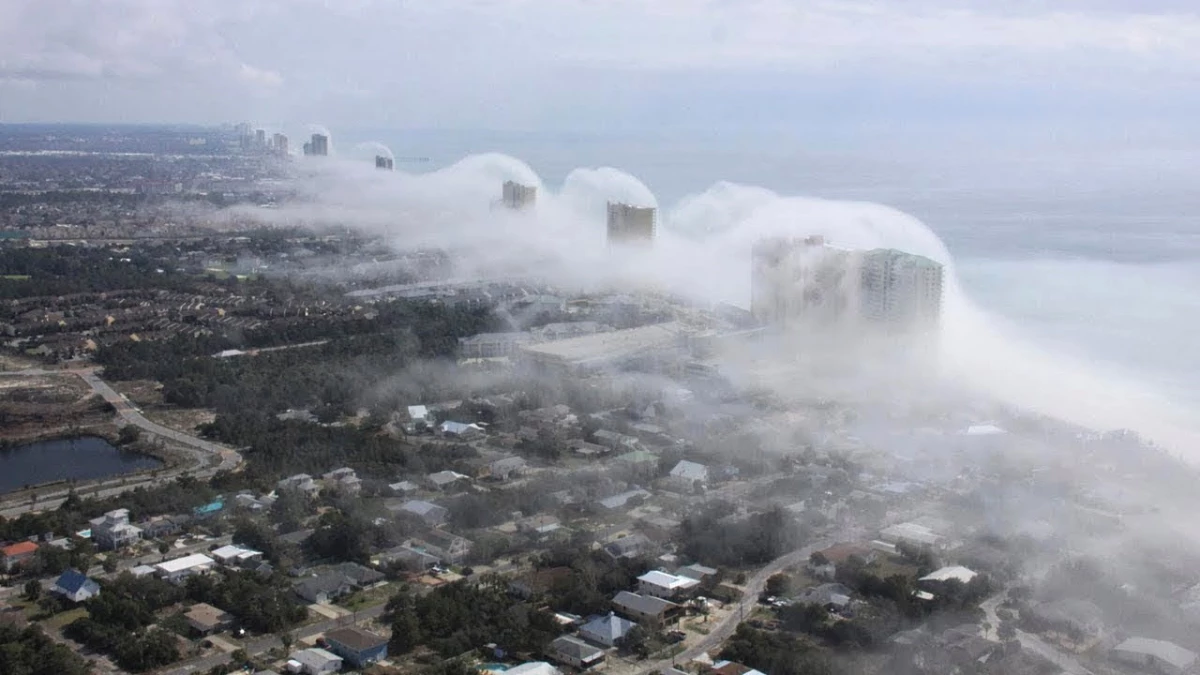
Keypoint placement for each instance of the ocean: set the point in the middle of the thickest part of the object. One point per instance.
(1075, 254)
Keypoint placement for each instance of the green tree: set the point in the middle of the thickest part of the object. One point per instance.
(33, 589)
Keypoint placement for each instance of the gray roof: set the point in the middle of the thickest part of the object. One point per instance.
(576, 648)
(690, 471)
(1167, 652)
(424, 509)
(315, 658)
(608, 628)
(642, 604)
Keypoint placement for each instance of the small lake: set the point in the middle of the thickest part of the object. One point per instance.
(84, 458)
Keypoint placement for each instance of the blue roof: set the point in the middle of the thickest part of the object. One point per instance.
(73, 580)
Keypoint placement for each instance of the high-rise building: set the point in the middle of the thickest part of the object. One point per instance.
(320, 145)
(385, 163)
(517, 196)
(279, 143)
(803, 281)
(630, 224)
(901, 290)
(260, 138)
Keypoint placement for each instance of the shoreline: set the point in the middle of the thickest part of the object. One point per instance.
(169, 461)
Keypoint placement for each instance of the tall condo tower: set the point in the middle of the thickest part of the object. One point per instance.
(519, 197)
(630, 224)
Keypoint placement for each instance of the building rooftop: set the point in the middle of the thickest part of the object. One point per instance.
(355, 638)
(642, 604)
(1167, 652)
(611, 346)
(665, 580)
(184, 563)
(19, 548)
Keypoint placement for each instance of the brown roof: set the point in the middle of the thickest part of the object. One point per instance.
(839, 553)
(355, 638)
(206, 615)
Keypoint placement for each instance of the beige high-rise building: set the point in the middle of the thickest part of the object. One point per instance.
(804, 282)
(630, 224)
(517, 196)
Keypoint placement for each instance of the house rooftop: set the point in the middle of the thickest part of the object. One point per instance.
(671, 581)
(355, 638)
(184, 563)
(19, 548)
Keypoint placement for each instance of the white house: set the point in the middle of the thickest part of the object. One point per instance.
(236, 555)
(75, 586)
(179, 569)
(663, 585)
(687, 476)
(315, 661)
(951, 573)
(534, 668)
(112, 530)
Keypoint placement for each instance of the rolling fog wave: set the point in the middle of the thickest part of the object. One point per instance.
(703, 251)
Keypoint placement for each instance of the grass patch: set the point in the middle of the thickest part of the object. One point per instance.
(15, 277)
(369, 598)
(63, 618)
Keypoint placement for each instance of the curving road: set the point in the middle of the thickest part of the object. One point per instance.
(721, 632)
(202, 453)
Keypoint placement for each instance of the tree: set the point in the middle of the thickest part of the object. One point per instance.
(164, 547)
(1006, 631)
(33, 589)
(779, 585)
(110, 563)
(128, 435)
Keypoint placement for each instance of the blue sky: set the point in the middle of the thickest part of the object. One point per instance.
(907, 67)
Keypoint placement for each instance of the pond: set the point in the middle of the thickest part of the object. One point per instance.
(83, 458)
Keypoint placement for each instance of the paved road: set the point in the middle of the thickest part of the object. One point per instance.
(754, 587)
(200, 451)
(269, 642)
(1033, 643)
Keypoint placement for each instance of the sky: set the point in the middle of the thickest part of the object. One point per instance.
(1068, 66)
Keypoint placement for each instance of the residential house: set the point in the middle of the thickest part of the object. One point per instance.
(236, 555)
(429, 513)
(833, 597)
(448, 547)
(14, 555)
(606, 630)
(534, 668)
(696, 571)
(361, 577)
(301, 482)
(112, 530)
(912, 534)
(687, 477)
(620, 501)
(323, 588)
(1080, 619)
(460, 430)
(539, 525)
(314, 661)
(732, 668)
(160, 527)
(838, 554)
(412, 558)
(663, 585)
(419, 418)
(75, 586)
(356, 646)
(179, 569)
(575, 652)
(443, 480)
(585, 449)
(630, 546)
(644, 607)
(404, 487)
(205, 619)
(507, 467)
(617, 441)
(1165, 657)
(344, 480)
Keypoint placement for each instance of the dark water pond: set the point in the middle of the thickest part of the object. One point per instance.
(83, 458)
